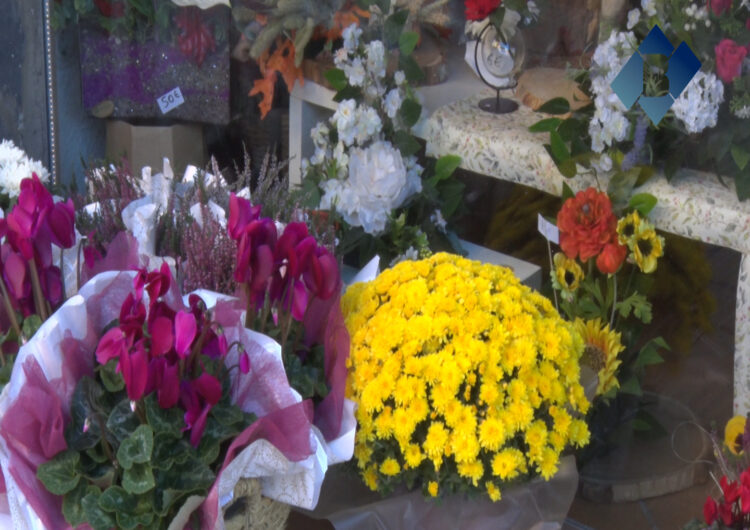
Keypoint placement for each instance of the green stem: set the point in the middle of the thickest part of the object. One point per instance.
(298, 335)
(614, 303)
(552, 271)
(249, 311)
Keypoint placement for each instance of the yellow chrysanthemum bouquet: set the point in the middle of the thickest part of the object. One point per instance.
(464, 378)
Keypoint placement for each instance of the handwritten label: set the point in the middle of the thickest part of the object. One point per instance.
(170, 100)
(548, 230)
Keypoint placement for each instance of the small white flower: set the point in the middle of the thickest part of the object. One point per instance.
(351, 36)
(355, 72)
(410, 254)
(319, 134)
(399, 77)
(438, 220)
(649, 7)
(368, 124)
(708, 23)
(15, 166)
(602, 164)
(392, 103)
(698, 105)
(344, 119)
(634, 16)
(743, 113)
(533, 8)
(340, 57)
(687, 26)
(375, 52)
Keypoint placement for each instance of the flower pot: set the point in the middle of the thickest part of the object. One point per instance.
(348, 504)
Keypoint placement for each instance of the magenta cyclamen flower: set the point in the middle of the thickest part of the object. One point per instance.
(241, 212)
(160, 350)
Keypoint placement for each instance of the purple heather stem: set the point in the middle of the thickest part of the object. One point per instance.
(639, 141)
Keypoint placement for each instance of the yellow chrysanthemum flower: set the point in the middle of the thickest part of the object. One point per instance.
(602, 346)
(627, 228)
(493, 491)
(456, 362)
(432, 488)
(734, 432)
(648, 247)
(568, 274)
(390, 467)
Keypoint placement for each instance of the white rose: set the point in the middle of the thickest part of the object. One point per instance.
(377, 176)
(368, 124)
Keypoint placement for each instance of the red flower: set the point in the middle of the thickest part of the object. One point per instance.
(719, 7)
(195, 38)
(587, 225)
(610, 259)
(710, 511)
(479, 9)
(729, 57)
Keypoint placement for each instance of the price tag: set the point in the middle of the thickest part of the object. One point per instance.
(170, 100)
(548, 230)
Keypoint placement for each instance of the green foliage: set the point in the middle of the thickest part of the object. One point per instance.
(133, 468)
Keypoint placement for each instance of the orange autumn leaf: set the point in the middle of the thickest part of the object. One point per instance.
(341, 20)
(264, 87)
(282, 61)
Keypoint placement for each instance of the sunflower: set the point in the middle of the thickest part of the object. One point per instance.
(647, 247)
(568, 274)
(602, 346)
(733, 433)
(627, 228)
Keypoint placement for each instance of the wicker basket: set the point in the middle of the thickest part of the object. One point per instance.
(251, 510)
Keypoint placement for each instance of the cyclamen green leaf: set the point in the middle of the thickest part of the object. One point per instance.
(170, 421)
(60, 475)
(130, 521)
(136, 448)
(116, 499)
(122, 421)
(72, 508)
(97, 518)
(138, 479)
(111, 380)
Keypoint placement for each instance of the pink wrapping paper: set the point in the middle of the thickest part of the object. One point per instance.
(33, 434)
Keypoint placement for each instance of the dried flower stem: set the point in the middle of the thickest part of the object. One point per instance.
(11, 315)
(41, 304)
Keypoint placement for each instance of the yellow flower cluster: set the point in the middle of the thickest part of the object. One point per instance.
(464, 378)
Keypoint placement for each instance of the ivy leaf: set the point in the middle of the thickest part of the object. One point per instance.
(406, 143)
(84, 406)
(138, 479)
(557, 145)
(555, 106)
(567, 192)
(60, 475)
(407, 41)
(445, 167)
(411, 69)
(136, 448)
(631, 386)
(337, 78)
(394, 27)
(740, 156)
(643, 203)
(545, 125)
(410, 112)
(190, 475)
